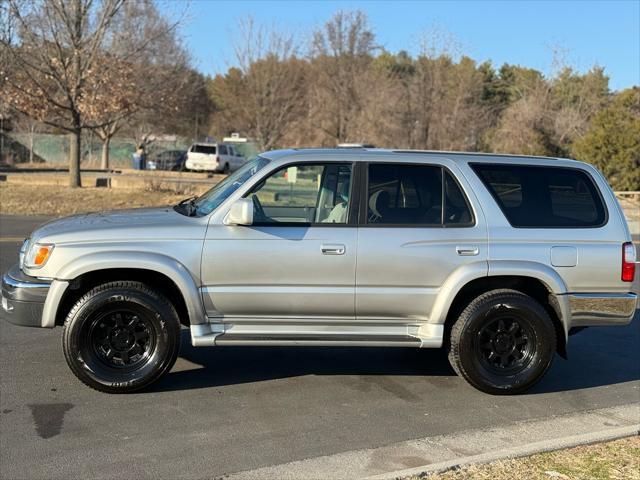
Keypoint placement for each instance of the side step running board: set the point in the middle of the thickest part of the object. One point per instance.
(319, 340)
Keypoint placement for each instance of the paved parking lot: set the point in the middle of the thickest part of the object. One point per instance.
(223, 410)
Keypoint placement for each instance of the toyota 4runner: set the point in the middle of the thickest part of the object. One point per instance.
(495, 258)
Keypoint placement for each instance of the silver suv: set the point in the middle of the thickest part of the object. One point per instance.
(495, 258)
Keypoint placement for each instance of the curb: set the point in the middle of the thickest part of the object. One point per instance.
(522, 451)
(439, 453)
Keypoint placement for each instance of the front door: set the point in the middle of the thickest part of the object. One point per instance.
(297, 260)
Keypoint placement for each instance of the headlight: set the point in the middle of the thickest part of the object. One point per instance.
(37, 255)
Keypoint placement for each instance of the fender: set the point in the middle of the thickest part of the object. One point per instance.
(515, 268)
(547, 275)
(452, 285)
(92, 262)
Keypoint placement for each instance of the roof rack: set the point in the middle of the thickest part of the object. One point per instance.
(485, 154)
(355, 145)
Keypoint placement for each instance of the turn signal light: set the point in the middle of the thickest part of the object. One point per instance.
(37, 255)
(42, 254)
(628, 262)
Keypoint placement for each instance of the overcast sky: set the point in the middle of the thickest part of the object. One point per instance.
(606, 33)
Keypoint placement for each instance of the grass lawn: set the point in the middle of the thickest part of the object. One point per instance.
(60, 201)
(615, 460)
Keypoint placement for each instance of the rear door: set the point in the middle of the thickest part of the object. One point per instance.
(417, 228)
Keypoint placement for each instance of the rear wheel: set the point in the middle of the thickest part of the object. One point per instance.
(503, 342)
(121, 336)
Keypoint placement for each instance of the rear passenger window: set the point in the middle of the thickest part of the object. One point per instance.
(414, 195)
(223, 149)
(544, 197)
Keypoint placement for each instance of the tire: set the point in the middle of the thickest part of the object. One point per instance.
(503, 342)
(226, 169)
(121, 336)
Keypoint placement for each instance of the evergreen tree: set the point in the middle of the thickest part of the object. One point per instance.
(612, 142)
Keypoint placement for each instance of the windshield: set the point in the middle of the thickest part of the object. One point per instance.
(212, 199)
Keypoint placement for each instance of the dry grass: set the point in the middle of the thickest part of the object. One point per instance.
(59, 201)
(616, 460)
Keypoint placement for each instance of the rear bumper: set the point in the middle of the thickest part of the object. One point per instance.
(23, 298)
(593, 309)
(202, 165)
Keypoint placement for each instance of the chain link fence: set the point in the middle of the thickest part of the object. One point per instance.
(54, 149)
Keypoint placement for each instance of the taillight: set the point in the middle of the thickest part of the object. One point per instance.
(628, 262)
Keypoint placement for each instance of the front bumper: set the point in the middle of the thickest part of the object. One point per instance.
(602, 309)
(23, 298)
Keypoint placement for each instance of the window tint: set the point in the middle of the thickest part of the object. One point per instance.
(404, 194)
(223, 149)
(304, 193)
(413, 194)
(457, 211)
(209, 149)
(552, 197)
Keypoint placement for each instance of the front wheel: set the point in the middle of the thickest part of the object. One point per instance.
(503, 342)
(121, 336)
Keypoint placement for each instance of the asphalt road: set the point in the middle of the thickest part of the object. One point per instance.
(223, 410)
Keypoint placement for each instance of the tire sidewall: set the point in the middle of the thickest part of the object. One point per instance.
(109, 379)
(527, 312)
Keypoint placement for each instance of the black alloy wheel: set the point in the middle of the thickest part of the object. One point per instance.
(503, 342)
(121, 336)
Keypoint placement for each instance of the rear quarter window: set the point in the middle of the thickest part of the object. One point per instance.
(544, 197)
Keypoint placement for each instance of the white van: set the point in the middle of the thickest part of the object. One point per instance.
(213, 157)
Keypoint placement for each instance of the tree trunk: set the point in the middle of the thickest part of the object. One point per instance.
(31, 147)
(74, 159)
(104, 163)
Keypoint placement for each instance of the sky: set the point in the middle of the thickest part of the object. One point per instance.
(586, 33)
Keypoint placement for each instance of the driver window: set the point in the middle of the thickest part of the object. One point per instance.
(304, 193)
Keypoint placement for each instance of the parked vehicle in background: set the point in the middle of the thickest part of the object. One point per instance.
(496, 258)
(214, 157)
(246, 146)
(168, 160)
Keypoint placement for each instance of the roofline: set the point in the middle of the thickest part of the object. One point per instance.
(475, 154)
(354, 150)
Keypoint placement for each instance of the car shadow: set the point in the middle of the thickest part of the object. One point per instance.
(221, 366)
(597, 357)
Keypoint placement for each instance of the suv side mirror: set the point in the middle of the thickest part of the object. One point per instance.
(240, 213)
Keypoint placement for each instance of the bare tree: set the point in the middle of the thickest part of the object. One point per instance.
(152, 69)
(60, 47)
(262, 95)
(521, 128)
(341, 52)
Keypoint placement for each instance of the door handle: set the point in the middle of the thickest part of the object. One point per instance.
(467, 250)
(332, 249)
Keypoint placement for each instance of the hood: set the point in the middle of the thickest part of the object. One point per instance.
(139, 223)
